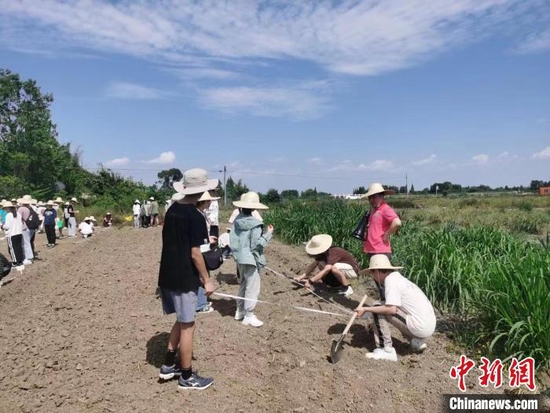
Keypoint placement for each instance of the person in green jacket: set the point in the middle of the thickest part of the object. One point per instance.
(248, 242)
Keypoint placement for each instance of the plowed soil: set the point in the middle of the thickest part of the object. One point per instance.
(82, 330)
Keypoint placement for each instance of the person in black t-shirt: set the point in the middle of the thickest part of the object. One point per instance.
(182, 272)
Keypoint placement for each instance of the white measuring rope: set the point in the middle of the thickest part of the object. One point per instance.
(311, 291)
(280, 305)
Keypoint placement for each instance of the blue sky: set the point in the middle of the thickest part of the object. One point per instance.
(293, 95)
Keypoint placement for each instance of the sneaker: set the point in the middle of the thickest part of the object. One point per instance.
(238, 315)
(418, 345)
(169, 372)
(195, 382)
(383, 354)
(27, 262)
(206, 309)
(347, 291)
(252, 320)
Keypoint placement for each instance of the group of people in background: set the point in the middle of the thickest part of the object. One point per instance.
(21, 219)
(145, 214)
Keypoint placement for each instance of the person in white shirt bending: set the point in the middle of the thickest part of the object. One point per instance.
(406, 307)
(86, 228)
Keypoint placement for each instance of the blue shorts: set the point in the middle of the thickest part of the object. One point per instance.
(182, 303)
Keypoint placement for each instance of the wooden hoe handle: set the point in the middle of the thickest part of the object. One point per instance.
(354, 316)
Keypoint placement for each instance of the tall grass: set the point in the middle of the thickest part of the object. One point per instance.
(491, 278)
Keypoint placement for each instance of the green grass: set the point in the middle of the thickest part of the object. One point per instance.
(471, 260)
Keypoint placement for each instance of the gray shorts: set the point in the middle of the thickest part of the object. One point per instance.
(179, 302)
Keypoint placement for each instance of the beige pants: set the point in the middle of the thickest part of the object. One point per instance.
(382, 331)
(346, 269)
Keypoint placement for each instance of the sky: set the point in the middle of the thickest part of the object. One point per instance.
(295, 94)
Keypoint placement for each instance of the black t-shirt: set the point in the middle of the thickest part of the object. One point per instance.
(184, 228)
(70, 210)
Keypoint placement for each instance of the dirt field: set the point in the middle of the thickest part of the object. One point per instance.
(82, 330)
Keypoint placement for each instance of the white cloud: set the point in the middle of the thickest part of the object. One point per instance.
(165, 158)
(543, 154)
(430, 159)
(378, 165)
(315, 161)
(481, 158)
(298, 104)
(354, 37)
(536, 42)
(124, 90)
(118, 162)
(204, 72)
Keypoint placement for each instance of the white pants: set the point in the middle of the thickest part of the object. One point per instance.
(27, 235)
(249, 288)
(72, 226)
(346, 269)
(136, 221)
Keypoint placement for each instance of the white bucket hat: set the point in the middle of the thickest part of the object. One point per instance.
(377, 188)
(137, 201)
(26, 200)
(207, 197)
(250, 200)
(73, 199)
(58, 200)
(381, 262)
(92, 218)
(152, 198)
(195, 181)
(50, 203)
(87, 219)
(318, 244)
(177, 196)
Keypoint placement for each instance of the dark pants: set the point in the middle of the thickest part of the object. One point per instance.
(381, 290)
(32, 242)
(50, 233)
(15, 246)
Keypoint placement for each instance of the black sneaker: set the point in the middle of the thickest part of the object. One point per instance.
(195, 382)
(169, 372)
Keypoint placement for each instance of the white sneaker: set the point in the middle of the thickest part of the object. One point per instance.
(238, 315)
(383, 354)
(418, 344)
(252, 320)
(27, 262)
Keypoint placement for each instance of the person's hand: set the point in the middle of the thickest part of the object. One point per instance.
(360, 311)
(270, 228)
(213, 239)
(307, 284)
(300, 278)
(386, 237)
(209, 288)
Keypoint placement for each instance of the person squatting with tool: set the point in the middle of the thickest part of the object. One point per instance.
(335, 264)
(247, 243)
(182, 272)
(406, 307)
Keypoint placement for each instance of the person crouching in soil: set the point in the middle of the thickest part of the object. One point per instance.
(335, 264)
(406, 307)
(248, 242)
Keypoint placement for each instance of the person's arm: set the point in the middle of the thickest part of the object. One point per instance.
(8, 220)
(259, 240)
(381, 309)
(309, 269)
(198, 260)
(394, 226)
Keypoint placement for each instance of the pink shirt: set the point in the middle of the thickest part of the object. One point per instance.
(379, 222)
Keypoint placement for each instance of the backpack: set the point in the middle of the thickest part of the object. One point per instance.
(33, 222)
(5, 266)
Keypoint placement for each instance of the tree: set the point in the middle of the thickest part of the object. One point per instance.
(309, 194)
(360, 191)
(289, 194)
(272, 196)
(167, 177)
(411, 191)
(235, 189)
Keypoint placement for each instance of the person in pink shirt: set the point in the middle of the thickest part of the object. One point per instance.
(383, 223)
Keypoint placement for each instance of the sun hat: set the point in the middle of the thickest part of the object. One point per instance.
(41, 203)
(195, 181)
(73, 199)
(177, 196)
(108, 213)
(152, 198)
(8, 204)
(381, 262)
(58, 200)
(86, 219)
(26, 200)
(318, 244)
(377, 188)
(33, 201)
(250, 200)
(50, 203)
(92, 218)
(137, 201)
(207, 197)
(67, 203)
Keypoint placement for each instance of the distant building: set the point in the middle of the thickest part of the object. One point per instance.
(544, 190)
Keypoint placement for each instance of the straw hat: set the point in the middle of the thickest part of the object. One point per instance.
(137, 201)
(108, 213)
(250, 200)
(381, 262)
(26, 200)
(58, 200)
(152, 198)
(86, 219)
(377, 188)
(41, 203)
(207, 197)
(318, 244)
(8, 204)
(195, 181)
(73, 199)
(67, 203)
(92, 218)
(50, 203)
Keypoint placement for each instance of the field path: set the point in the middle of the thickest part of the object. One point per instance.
(82, 330)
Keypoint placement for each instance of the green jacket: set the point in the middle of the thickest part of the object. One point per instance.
(248, 241)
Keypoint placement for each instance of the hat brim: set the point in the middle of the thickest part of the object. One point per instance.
(191, 190)
(250, 205)
(386, 267)
(384, 192)
(326, 244)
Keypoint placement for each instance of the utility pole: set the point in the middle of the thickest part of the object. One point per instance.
(224, 187)
(407, 184)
